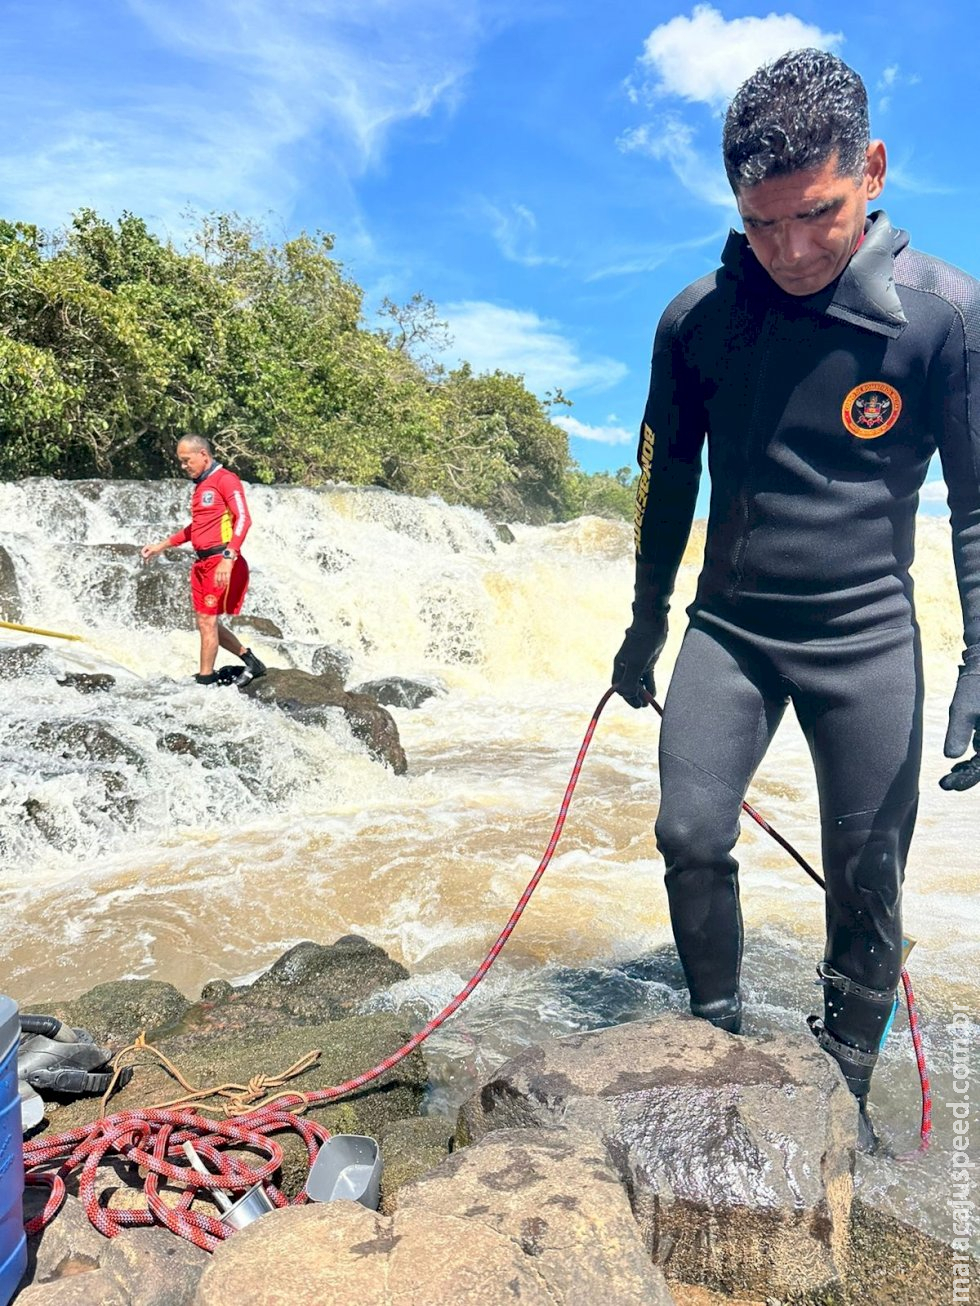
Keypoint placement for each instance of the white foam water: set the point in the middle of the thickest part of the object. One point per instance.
(124, 851)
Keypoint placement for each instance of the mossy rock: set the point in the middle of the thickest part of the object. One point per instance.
(115, 1012)
(410, 1149)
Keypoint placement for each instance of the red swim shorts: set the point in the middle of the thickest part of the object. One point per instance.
(209, 598)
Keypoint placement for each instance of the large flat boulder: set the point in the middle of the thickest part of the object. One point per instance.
(541, 1219)
(737, 1151)
(557, 1196)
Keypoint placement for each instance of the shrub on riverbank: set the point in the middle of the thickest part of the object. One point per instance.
(116, 343)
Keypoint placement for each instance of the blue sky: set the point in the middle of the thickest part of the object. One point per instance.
(546, 171)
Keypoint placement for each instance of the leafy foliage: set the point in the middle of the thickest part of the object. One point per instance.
(114, 344)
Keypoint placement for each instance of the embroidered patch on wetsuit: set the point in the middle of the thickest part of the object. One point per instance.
(871, 409)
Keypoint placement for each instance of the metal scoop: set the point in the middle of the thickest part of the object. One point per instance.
(347, 1167)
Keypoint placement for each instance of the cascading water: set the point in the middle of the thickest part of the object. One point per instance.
(168, 831)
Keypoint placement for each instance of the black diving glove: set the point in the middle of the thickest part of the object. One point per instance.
(964, 724)
(633, 665)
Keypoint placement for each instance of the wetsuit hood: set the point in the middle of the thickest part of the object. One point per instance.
(864, 294)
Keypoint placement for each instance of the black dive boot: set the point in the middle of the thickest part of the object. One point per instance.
(723, 1013)
(855, 1019)
(252, 670)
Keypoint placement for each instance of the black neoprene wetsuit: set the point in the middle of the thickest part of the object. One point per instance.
(821, 415)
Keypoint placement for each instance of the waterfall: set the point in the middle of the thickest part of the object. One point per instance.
(165, 830)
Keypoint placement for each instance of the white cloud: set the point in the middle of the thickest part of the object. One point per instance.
(935, 491)
(360, 64)
(238, 89)
(705, 59)
(515, 230)
(671, 140)
(632, 264)
(600, 434)
(892, 79)
(901, 177)
(488, 336)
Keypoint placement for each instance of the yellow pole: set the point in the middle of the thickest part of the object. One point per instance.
(36, 630)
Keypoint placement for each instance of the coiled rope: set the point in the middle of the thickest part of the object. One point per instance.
(151, 1137)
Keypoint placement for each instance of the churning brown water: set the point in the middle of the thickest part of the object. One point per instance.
(187, 867)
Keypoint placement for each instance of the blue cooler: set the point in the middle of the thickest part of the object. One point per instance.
(13, 1244)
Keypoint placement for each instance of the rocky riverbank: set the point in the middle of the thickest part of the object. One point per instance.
(652, 1162)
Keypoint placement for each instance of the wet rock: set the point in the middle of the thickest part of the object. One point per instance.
(217, 990)
(163, 597)
(180, 744)
(10, 606)
(397, 691)
(26, 660)
(504, 533)
(548, 1191)
(325, 982)
(341, 1251)
(87, 682)
(293, 691)
(305, 696)
(332, 662)
(895, 1263)
(119, 567)
(48, 823)
(121, 552)
(115, 1012)
(374, 727)
(91, 490)
(737, 1151)
(332, 558)
(117, 799)
(260, 625)
(109, 764)
(85, 741)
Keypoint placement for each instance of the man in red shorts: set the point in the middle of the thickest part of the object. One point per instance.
(219, 578)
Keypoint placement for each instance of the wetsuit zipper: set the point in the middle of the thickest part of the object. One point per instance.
(762, 354)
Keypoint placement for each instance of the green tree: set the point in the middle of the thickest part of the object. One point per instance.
(598, 494)
(114, 343)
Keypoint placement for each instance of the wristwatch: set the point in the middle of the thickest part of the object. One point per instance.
(229, 553)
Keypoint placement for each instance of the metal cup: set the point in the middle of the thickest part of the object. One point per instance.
(238, 1214)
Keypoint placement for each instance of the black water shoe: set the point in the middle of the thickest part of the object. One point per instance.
(209, 679)
(252, 670)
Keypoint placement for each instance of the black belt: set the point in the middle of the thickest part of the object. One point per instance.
(210, 553)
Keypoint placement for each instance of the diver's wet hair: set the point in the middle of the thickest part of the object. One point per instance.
(796, 113)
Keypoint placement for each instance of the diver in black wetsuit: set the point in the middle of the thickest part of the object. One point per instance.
(823, 364)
